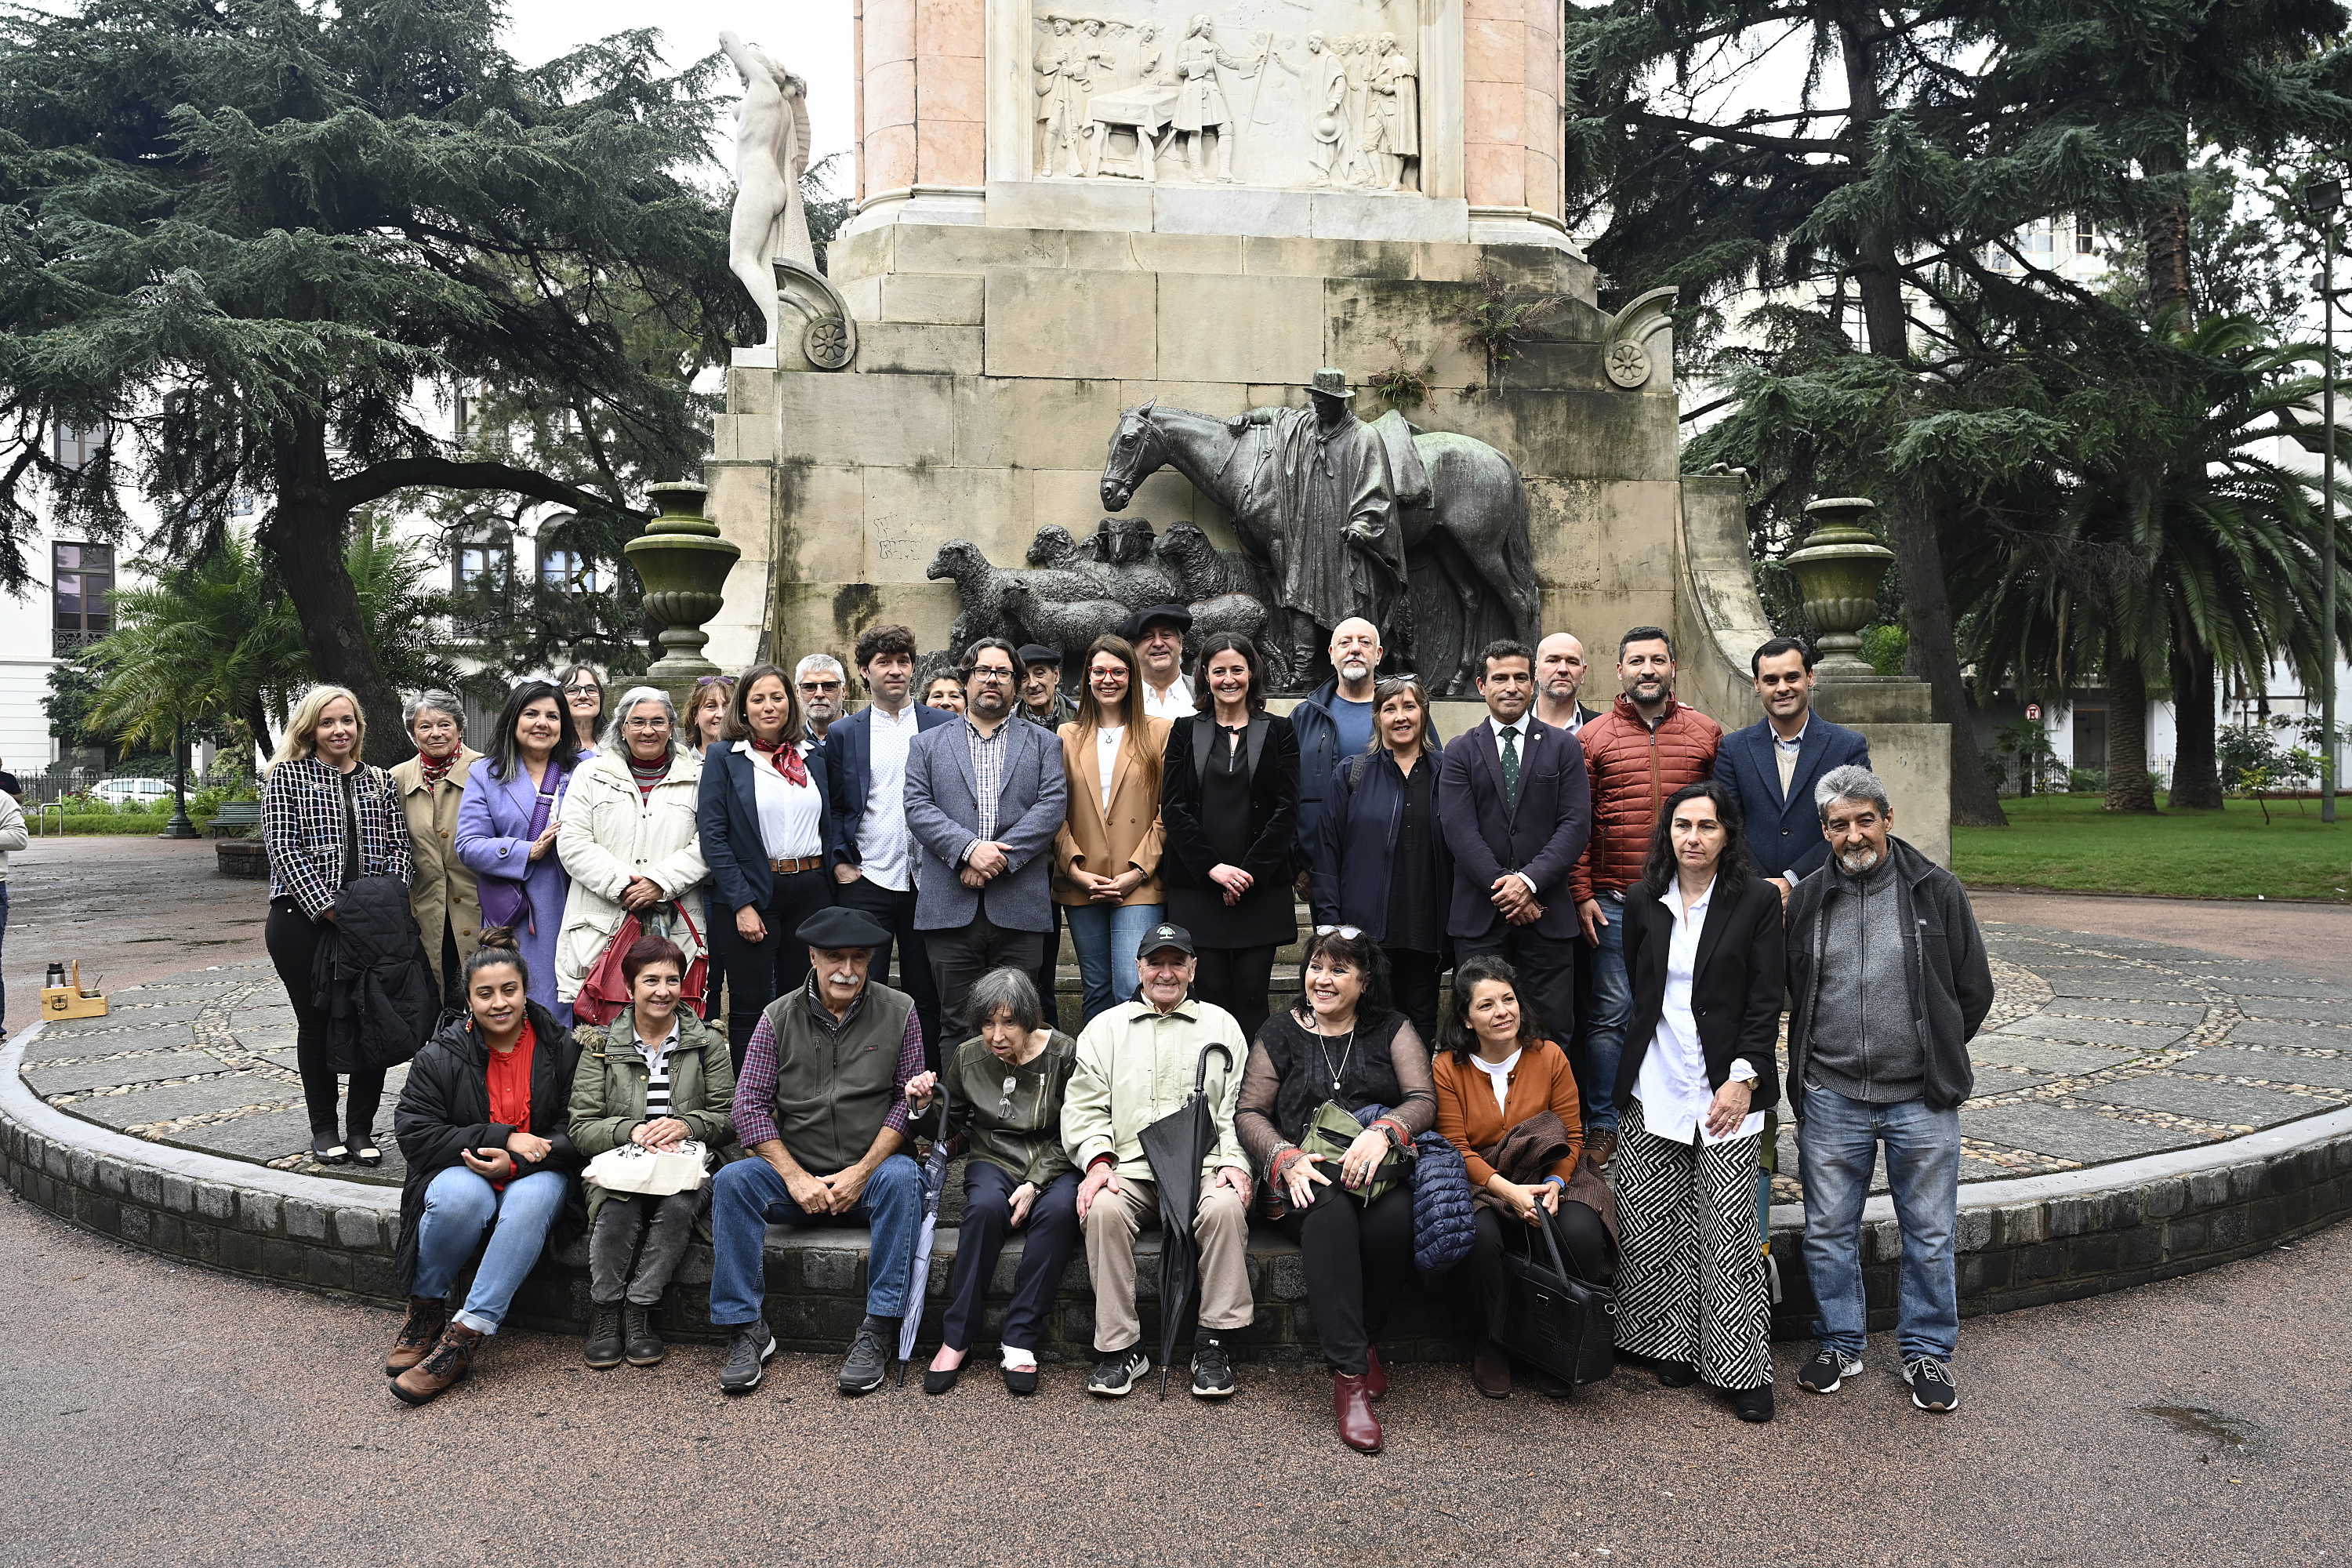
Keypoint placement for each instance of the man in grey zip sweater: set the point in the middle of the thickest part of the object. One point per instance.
(1889, 983)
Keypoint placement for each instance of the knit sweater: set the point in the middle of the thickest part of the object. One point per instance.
(1866, 1043)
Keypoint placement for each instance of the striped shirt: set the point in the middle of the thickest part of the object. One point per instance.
(987, 779)
(657, 1072)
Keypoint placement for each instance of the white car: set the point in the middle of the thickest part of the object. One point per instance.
(143, 792)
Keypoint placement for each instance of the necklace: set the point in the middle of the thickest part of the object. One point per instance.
(1338, 1072)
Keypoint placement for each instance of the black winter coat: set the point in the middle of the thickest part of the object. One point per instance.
(446, 1107)
(371, 978)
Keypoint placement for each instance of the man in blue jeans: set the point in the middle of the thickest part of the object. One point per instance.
(821, 1104)
(1889, 983)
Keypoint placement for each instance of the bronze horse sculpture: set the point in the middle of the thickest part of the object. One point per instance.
(1471, 566)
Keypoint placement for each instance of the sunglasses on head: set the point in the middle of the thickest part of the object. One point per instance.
(1352, 933)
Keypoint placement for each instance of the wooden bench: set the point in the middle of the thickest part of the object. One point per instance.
(236, 817)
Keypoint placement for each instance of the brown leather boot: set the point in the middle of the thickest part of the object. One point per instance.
(1351, 1401)
(1601, 1148)
(1376, 1377)
(446, 1367)
(428, 1316)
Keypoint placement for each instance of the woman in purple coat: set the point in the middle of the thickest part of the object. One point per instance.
(506, 832)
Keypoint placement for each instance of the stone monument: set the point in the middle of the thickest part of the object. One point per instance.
(1068, 222)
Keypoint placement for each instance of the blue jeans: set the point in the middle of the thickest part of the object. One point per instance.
(748, 1196)
(1105, 937)
(1837, 1144)
(1602, 1044)
(458, 1206)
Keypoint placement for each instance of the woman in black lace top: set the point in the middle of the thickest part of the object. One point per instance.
(1343, 1042)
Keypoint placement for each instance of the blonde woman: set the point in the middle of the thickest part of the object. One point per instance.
(444, 897)
(628, 839)
(1107, 857)
(706, 711)
(327, 818)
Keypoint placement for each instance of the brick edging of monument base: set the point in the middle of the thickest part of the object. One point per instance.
(2024, 1242)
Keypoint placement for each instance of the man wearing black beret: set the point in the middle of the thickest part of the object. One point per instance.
(1158, 637)
(822, 1105)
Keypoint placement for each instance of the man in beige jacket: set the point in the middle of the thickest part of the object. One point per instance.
(1136, 1064)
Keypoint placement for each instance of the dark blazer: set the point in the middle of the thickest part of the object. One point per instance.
(728, 816)
(1737, 980)
(849, 765)
(1785, 832)
(1273, 807)
(1544, 837)
(1355, 843)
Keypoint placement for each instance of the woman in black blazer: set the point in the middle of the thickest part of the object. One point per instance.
(1229, 803)
(1703, 954)
(766, 826)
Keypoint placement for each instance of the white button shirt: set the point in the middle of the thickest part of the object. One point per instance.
(1176, 704)
(1673, 1087)
(882, 838)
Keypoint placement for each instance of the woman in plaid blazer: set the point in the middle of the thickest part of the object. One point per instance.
(327, 818)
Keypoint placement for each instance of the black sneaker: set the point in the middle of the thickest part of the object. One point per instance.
(1677, 1373)
(1827, 1370)
(1753, 1403)
(868, 1360)
(1932, 1387)
(604, 1348)
(1213, 1370)
(748, 1346)
(1116, 1373)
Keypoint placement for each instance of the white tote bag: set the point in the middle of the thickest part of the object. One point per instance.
(633, 1168)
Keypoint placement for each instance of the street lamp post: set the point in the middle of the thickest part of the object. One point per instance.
(2324, 199)
(179, 826)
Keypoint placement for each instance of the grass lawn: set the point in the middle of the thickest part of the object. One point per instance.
(2066, 842)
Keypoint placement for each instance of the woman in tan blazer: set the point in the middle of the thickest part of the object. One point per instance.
(1107, 857)
(448, 909)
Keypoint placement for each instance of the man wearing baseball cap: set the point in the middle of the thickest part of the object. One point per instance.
(1136, 1064)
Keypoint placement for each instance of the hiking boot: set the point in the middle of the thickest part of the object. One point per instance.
(446, 1367)
(1212, 1369)
(1932, 1387)
(748, 1346)
(1116, 1372)
(869, 1359)
(1828, 1368)
(1601, 1147)
(644, 1347)
(1753, 1403)
(604, 1347)
(428, 1316)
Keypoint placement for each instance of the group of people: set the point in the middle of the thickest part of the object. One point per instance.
(1624, 900)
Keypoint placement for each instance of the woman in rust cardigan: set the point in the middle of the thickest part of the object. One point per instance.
(1493, 1072)
(1107, 857)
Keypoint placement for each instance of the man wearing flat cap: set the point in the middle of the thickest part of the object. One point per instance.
(820, 1105)
(1338, 540)
(1042, 702)
(1157, 635)
(1136, 1064)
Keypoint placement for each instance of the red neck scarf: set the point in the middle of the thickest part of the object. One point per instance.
(786, 756)
(436, 769)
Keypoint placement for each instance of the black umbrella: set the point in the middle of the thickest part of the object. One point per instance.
(1176, 1145)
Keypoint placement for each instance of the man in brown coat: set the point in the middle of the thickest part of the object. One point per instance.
(1638, 754)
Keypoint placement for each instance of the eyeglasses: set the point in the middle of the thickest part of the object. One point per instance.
(702, 680)
(645, 725)
(583, 688)
(820, 686)
(1352, 933)
(991, 672)
(1005, 1106)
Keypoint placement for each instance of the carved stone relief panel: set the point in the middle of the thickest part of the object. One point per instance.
(1295, 94)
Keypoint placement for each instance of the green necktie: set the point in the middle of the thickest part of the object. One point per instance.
(1510, 767)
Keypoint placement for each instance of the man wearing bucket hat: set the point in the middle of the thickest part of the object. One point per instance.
(820, 1105)
(1340, 544)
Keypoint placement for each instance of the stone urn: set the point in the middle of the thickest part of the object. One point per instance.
(683, 564)
(1838, 567)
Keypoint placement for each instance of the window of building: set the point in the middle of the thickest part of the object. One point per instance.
(462, 409)
(78, 444)
(484, 565)
(567, 572)
(2039, 240)
(82, 579)
(2083, 234)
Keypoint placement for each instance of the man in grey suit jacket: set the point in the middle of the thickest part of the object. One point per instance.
(985, 799)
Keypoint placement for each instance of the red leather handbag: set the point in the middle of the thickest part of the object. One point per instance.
(604, 991)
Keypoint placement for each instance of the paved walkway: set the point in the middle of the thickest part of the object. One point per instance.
(168, 1415)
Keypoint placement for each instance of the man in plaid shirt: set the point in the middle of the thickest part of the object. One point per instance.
(821, 1104)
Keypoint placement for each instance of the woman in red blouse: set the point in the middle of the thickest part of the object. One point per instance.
(483, 1124)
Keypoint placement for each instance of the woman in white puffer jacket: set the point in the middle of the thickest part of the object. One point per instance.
(629, 839)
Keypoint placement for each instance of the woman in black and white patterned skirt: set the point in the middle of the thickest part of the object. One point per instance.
(1704, 953)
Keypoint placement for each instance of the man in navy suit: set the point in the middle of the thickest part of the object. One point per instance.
(1515, 806)
(865, 768)
(1770, 767)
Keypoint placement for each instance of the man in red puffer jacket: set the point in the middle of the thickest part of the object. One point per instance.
(1638, 754)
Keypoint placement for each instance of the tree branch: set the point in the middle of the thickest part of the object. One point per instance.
(381, 479)
(1699, 130)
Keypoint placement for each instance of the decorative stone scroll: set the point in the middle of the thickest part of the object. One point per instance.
(1295, 94)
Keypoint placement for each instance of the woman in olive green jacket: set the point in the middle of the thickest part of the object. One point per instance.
(1004, 1093)
(658, 1077)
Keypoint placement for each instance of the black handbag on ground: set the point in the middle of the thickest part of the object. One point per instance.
(1550, 1317)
